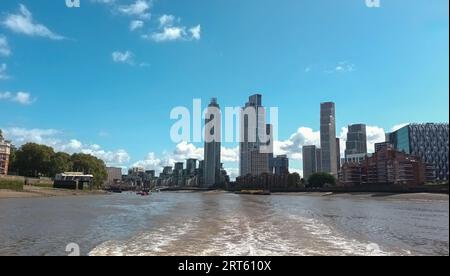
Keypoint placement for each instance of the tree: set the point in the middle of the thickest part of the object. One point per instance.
(90, 165)
(1, 135)
(293, 180)
(60, 162)
(34, 160)
(319, 180)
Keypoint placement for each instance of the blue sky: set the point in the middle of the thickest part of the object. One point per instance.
(83, 79)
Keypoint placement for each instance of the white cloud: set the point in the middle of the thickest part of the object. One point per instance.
(181, 152)
(293, 146)
(140, 8)
(23, 23)
(170, 31)
(168, 34)
(398, 126)
(166, 20)
(5, 50)
(136, 24)
(196, 32)
(3, 74)
(23, 98)
(52, 138)
(342, 67)
(123, 57)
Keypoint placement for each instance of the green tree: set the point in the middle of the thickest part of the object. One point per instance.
(34, 160)
(1, 135)
(319, 180)
(90, 165)
(60, 162)
(293, 180)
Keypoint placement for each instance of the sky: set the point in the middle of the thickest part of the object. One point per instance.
(104, 77)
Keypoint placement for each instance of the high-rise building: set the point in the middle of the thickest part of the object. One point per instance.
(178, 169)
(5, 151)
(318, 160)
(281, 165)
(428, 141)
(254, 153)
(328, 137)
(212, 145)
(311, 161)
(338, 154)
(191, 165)
(356, 140)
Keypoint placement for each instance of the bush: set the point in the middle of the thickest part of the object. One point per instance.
(14, 185)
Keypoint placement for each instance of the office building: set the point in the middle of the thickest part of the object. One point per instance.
(428, 141)
(255, 153)
(328, 137)
(311, 161)
(281, 165)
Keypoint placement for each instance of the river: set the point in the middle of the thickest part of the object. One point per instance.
(216, 223)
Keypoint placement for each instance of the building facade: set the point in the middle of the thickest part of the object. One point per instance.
(254, 153)
(212, 169)
(387, 167)
(5, 152)
(281, 165)
(328, 137)
(311, 161)
(428, 141)
(114, 175)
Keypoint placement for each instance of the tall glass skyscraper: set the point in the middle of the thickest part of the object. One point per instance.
(356, 144)
(253, 160)
(328, 137)
(212, 165)
(427, 141)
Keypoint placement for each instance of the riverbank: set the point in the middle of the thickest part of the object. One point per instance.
(34, 191)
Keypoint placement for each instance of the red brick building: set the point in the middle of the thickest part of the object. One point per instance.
(387, 166)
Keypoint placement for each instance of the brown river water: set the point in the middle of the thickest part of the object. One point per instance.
(226, 224)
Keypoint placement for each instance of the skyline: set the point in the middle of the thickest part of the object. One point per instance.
(221, 53)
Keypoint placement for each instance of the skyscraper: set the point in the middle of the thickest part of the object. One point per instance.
(212, 145)
(328, 137)
(356, 144)
(311, 161)
(253, 159)
(338, 154)
(191, 165)
(428, 141)
(281, 165)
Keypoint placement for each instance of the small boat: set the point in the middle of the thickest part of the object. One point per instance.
(143, 193)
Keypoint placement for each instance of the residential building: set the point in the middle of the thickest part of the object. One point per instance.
(212, 169)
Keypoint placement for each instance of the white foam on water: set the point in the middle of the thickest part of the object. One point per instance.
(243, 237)
(338, 243)
(145, 244)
